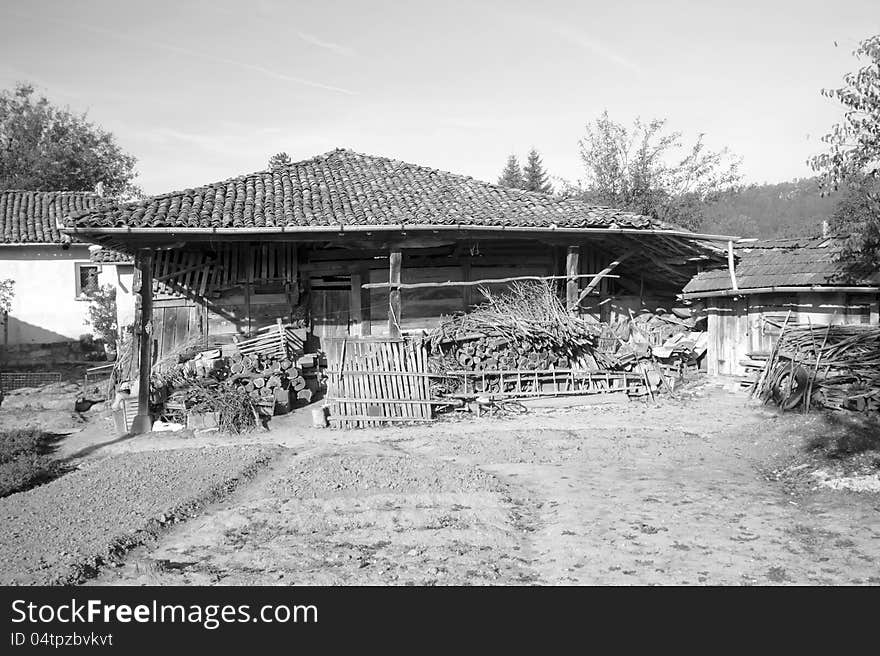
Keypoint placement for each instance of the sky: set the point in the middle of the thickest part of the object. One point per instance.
(200, 91)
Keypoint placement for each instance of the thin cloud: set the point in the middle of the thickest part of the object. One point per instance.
(585, 42)
(338, 48)
(170, 47)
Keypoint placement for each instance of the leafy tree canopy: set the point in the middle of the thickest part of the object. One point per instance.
(647, 169)
(771, 211)
(48, 148)
(852, 162)
(7, 293)
(854, 143)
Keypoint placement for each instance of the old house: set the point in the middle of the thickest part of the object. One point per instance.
(352, 244)
(798, 279)
(52, 274)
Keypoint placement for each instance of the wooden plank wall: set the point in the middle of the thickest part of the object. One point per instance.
(423, 309)
(751, 324)
(728, 326)
(221, 291)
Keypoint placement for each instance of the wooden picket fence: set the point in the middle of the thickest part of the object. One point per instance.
(377, 380)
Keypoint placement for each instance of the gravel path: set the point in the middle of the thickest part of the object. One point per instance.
(58, 533)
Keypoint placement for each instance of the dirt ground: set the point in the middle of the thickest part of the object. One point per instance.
(702, 489)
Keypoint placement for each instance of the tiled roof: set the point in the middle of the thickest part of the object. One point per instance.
(344, 187)
(29, 217)
(109, 256)
(779, 263)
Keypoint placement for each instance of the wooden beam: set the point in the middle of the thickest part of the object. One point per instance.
(143, 331)
(731, 266)
(473, 283)
(394, 308)
(572, 269)
(780, 289)
(604, 273)
(180, 272)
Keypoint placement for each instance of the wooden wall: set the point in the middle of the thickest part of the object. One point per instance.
(748, 324)
(236, 288)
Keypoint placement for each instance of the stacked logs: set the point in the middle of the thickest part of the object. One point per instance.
(269, 378)
(493, 353)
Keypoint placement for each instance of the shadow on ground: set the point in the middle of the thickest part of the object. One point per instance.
(846, 435)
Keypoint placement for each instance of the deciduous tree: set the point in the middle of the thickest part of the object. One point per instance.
(648, 169)
(48, 148)
(852, 161)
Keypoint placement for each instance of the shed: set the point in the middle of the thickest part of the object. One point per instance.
(802, 279)
(349, 244)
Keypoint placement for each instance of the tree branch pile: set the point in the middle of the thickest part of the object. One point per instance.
(835, 367)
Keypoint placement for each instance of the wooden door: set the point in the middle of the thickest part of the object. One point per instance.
(330, 307)
(175, 325)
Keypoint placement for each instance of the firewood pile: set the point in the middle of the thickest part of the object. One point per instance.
(264, 376)
(835, 367)
(526, 327)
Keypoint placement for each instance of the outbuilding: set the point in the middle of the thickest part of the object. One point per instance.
(800, 280)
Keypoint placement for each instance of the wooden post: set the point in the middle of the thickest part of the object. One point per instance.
(394, 308)
(143, 331)
(466, 296)
(731, 266)
(355, 312)
(366, 314)
(572, 269)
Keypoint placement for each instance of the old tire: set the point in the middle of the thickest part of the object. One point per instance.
(791, 375)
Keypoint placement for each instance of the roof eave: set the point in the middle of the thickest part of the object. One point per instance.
(401, 227)
(852, 289)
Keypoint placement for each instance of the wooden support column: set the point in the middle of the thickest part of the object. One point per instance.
(466, 296)
(731, 266)
(355, 311)
(366, 314)
(572, 269)
(394, 308)
(143, 332)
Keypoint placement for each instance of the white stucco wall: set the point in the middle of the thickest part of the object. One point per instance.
(44, 308)
(120, 276)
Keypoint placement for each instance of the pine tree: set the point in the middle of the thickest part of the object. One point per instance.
(511, 176)
(279, 159)
(534, 175)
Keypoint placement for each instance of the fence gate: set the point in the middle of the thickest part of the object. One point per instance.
(374, 380)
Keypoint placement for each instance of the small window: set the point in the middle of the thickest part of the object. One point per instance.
(86, 279)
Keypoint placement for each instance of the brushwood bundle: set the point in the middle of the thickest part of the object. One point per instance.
(235, 409)
(524, 327)
(836, 367)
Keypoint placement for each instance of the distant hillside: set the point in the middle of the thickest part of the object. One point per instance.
(785, 209)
